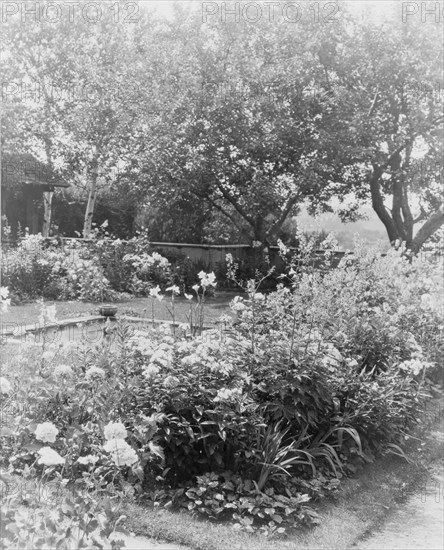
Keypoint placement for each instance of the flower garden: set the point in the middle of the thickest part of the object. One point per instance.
(252, 423)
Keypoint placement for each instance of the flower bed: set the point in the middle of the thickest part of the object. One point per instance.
(251, 424)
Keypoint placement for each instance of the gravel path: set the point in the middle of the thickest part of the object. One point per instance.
(142, 543)
(419, 523)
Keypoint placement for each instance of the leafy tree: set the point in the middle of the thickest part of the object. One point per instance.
(79, 93)
(385, 106)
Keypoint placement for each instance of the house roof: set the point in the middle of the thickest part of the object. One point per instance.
(25, 169)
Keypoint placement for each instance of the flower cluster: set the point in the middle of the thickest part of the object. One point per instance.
(122, 453)
(94, 374)
(207, 279)
(46, 432)
(144, 261)
(5, 301)
(62, 371)
(414, 366)
(5, 386)
(155, 293)
(228, 395)
(49, 457)
(115, 430)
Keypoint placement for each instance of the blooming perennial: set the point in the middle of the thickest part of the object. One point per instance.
(49, 457)
(115, 430)
(5, 386)
(5, 302)
(171, 382)
(46, 432)
(94, 373)
(62, 371)
(122, 453)
(207, 279)
(174, 289)
(228, 395)
(414, 366)
(155, 293)
(237, 304)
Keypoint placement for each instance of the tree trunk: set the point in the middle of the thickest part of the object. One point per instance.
(90, 206)
(431, 226)
(380, 209)
(47, 210)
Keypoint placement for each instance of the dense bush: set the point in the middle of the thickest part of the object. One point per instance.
(96, 270)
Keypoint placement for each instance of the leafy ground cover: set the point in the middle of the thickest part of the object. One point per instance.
(249, 427)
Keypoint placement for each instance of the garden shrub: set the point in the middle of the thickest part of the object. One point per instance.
(97, 270)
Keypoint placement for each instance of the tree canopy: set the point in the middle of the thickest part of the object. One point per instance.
(232, 126)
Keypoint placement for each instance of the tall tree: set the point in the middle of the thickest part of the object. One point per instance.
(72, 92)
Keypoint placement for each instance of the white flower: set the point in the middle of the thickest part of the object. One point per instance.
(46, 432)
(62, 371)
(259, 296)
(256, 244)
(115, 430)
(174, 289)
(4, 300)
(162, 357)
(122, 453)
(282, 248)
(150, 370)
(4, 292)
(188, 296)
(414, 366)
(155, 293)
(94, 373)
(228, 395)
(171, 382)
(49, 457)
(229, 258)
(207, 279)
(88, 459)
(237, 304)
(190, 360)
(196, 288)
(5, 386)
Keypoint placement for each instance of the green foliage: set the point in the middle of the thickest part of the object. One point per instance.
(78, 522)
(230, 496)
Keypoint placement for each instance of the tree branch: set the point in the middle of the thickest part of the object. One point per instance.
(373, 106)
(277, 225)
(236, 205)
(431, 226)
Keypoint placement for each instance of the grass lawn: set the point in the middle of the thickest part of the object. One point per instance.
(214, 307)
